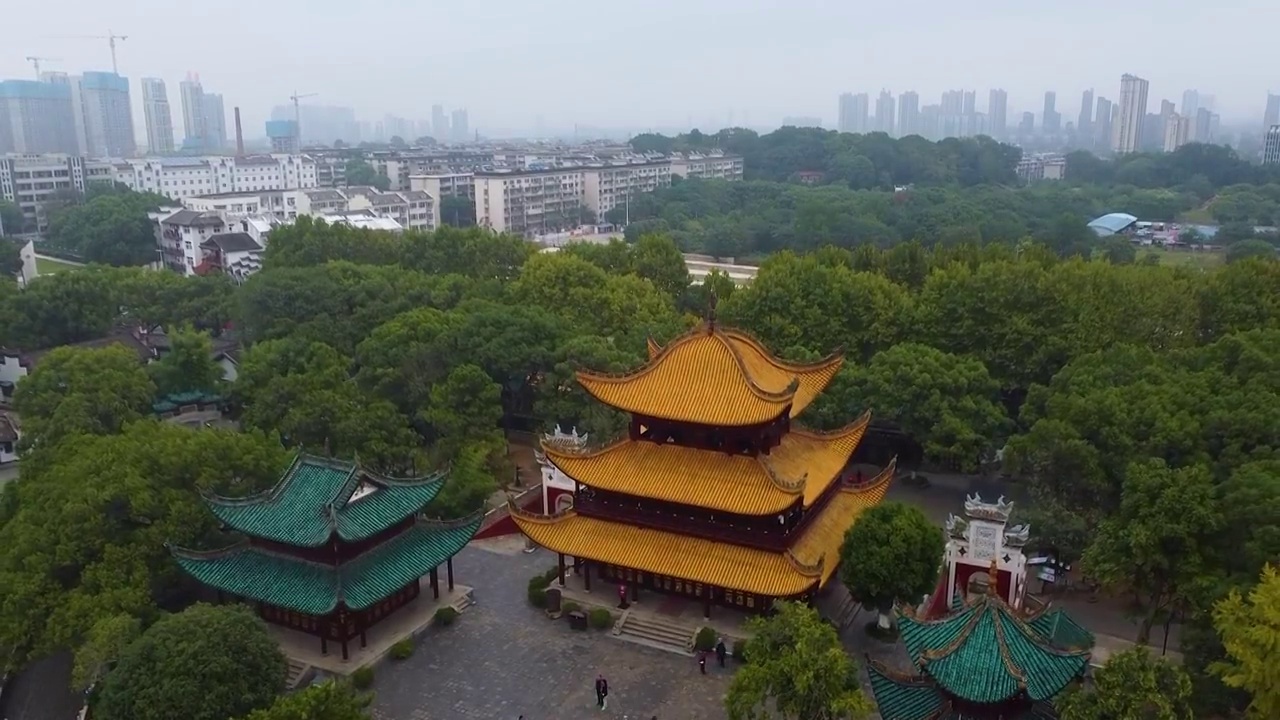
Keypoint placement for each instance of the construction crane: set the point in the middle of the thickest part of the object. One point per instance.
(111, 39)
(297, 114)
(37, 60)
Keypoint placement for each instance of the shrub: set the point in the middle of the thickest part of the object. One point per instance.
(402, 650)
(537, 597)
(445, 616)
(740, 650)
(362, 678)
(705, 640)
(600, 619)
(569, 606)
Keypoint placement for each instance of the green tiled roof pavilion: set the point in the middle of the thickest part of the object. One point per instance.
(981, 661)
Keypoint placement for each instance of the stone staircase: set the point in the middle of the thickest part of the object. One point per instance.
(655, 632)
(299, 673)
(467, 600)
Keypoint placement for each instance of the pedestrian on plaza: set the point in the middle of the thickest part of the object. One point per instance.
(721, 651)
(602, 692)
(622, 596)
(702, 661)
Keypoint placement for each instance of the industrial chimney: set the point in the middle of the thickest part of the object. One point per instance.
(239, 135)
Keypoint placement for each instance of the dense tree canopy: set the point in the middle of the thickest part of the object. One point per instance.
(329, 700)
(1132, 685)
(1250, 629)
(891, 555)
(111, 228)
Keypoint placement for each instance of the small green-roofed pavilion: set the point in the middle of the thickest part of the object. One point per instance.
(983, 661)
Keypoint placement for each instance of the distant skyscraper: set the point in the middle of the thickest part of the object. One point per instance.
(1190, 103)
(1271, 117)
(439, 123)
(459, 130)
(1085, 122)
(884, 113)
(215, 123)
(1176, 131)
(908, 114)
(159, 118)
(1102, 124)
(931, 122)
(1050, 120)
(106, 114)
(1205, 126)
(997, 113)
(1167, 108)
(1271, 148)
(1028, 124)
(37, 118)
(854, 113)
(1127, 133)
(193, 108)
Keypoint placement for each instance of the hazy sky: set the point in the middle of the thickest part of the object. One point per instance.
(656, 63)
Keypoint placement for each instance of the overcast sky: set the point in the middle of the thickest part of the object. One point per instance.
(656, 63)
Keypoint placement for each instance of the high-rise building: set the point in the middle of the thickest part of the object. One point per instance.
(1102, 124)
(997, 112)
(908, 114)
(37, 118)
(1167, 108)
(1085, 122)
(193, 109)
(1271, 117)
(854, 114)
(1271, 148)
(1126, 136)
(106, 114)
(159, 119)
(1050, 120)
(1190, 103)
(1028, 124)
(931, 122)
(439, 123)
(1205, 126)
(458, 128)
(884, 113)
(215, 123)
(1177, 131)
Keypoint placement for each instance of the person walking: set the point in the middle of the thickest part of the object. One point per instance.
(602, 692)
(702, 662)
(721, 651)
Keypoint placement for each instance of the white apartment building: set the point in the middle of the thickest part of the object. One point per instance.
(1126, 134)
(411, 209)
(29, 180)
(1177, 131)
(443, 185)
(192, 242)
(717, 167)
(1042, 166)
(158, 117)
(180, 178)
(529, 202)
(608, 186)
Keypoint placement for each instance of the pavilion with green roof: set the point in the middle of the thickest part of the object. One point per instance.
(331, 549)
(983, 661)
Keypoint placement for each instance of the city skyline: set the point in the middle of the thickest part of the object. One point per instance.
(800, 58)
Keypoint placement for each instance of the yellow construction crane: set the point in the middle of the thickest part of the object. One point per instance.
(297, 114)
(111, 39)
(37, 60)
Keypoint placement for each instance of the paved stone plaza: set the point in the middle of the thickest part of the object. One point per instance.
(503, 658)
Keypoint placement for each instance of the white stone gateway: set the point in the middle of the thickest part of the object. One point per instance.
(979, 545)
(555, 484)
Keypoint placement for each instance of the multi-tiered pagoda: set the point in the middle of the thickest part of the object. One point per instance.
(331, 549)
(713, 494)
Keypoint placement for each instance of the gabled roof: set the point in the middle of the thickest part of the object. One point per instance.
(801, 467)
(193, 218)
(232, 242)
(319, 497)
(986, 654)
(317, 589)
(900, 696)
(714, 376)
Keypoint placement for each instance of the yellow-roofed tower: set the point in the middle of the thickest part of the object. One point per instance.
(714, 493)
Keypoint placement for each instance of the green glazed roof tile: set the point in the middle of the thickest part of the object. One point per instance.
(904, 698)
(315, 588)
(1061, 631)
(313, 500)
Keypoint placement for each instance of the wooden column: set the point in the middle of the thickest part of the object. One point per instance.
(706, 603)
(364, 642)
(560, 568)
(449, 566)
(586, 574)
(345, 655)
(324, 639)
(635, 591)
(435, 583)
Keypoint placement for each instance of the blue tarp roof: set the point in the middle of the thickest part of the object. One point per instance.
(1112, 223)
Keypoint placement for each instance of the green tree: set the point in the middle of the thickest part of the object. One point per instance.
(111, 229)
(797, 670)
(60, 309)
(10, 258)
(1133, 685)
(1157, 546)
(84, 539)
(457, 211)
(890, 555)
(464, 408)
(82, 391)
(562, 401)
(359, 172)
(1250, 630)
(1250, 248)
(658, 260)
(205, 663)
(12, 221)
(189, 365)
(102, 647)
(329, 700)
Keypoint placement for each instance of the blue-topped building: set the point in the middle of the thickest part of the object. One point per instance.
(1113, 224)
(37, 118)
(107, 115)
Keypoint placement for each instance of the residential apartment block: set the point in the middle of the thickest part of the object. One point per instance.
(530, 202)
(707, 167)
(441, 185)
(605, 187)
(104, 115)
(29, 180)
(37, 117)
(180, 178)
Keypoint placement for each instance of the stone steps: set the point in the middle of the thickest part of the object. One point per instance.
(299, 672)
(461, 604)
(656, 632)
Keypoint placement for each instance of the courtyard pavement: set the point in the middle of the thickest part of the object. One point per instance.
(503, 659)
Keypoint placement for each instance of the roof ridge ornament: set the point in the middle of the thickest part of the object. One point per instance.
(712, 301)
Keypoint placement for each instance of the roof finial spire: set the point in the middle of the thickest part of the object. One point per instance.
(711, 311)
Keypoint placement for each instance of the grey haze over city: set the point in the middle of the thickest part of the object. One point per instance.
(520, 68)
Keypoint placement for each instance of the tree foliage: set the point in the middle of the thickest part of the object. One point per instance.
(188, 366)
(329, 700)
(1133, 685)
(890, 555)
(111, 228)
(12, 221)
(1250, 630)
(205, 663)
(796, 669)
(360, 172)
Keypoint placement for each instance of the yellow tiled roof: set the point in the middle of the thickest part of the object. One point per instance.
(812, 561)
(805, 463)
(714, 377)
